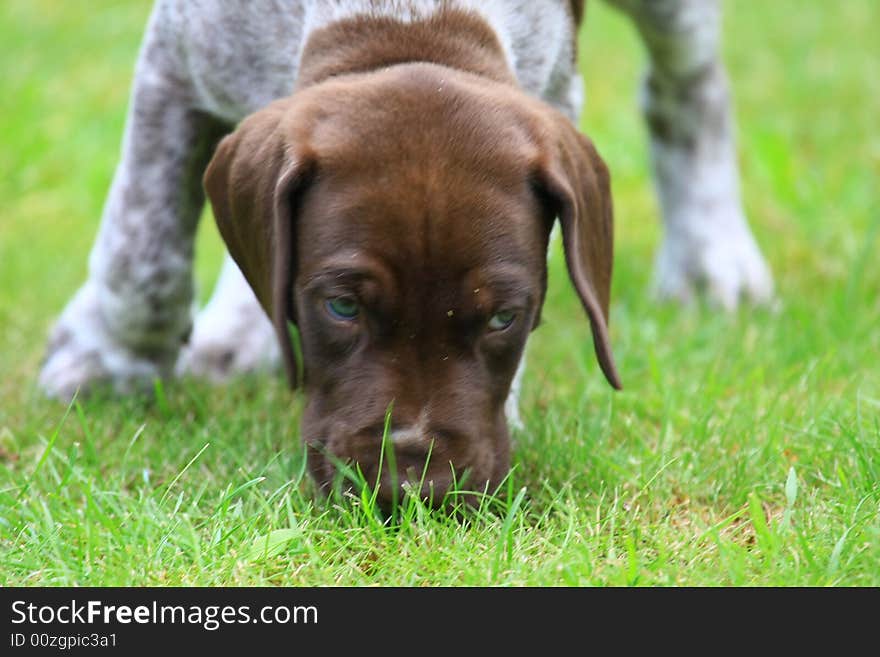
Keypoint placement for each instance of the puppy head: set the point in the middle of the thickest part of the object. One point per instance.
(401, 219)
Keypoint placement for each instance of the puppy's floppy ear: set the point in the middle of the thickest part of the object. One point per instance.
(252, 182)
(577, 185)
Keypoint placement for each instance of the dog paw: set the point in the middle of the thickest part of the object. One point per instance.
(81, 354)
(723, 264)
(225, 345)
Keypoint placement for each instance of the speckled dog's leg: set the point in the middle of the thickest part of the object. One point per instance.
(232, 335)
(511, 404)
(708, 245)
(126, 324)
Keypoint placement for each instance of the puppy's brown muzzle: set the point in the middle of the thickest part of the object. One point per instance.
(441, 466)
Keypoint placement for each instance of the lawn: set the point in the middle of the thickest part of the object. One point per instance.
(744, 450)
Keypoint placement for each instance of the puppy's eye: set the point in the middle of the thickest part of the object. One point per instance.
(501, 320)
(343, 308)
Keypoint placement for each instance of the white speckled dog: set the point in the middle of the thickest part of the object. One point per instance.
(205, 65)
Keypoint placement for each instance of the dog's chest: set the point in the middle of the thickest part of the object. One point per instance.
(241, 56)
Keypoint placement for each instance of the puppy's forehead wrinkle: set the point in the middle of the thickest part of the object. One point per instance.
(354, 263)
(399, 234)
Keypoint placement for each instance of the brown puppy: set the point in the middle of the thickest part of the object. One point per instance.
(397, 208)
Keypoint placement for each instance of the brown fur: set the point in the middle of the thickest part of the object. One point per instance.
(426, 190)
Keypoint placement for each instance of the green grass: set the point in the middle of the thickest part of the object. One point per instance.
(745, 449)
